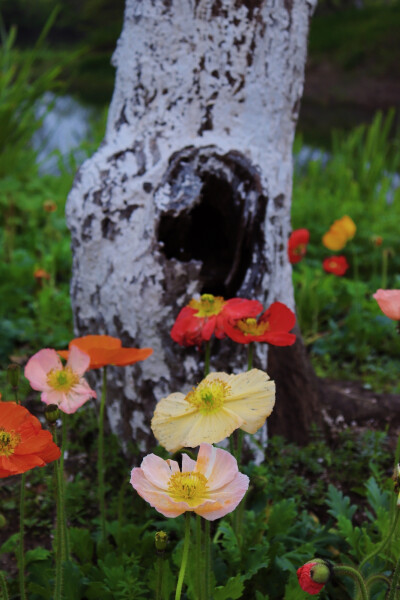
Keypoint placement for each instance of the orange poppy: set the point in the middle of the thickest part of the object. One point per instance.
(107, 350)
(23, 443)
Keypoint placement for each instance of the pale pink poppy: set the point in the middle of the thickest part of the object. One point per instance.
(211, 486)
(60, 385)
(389, 303)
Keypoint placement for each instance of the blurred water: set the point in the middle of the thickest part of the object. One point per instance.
(66, 124)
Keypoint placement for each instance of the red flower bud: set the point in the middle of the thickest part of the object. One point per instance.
(313, 576)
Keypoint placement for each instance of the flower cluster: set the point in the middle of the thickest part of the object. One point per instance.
(236, 318)
(339, 234)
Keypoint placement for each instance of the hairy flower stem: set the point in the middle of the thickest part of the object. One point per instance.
(354, 574)
(375, 578)
(100, 458)
(207, 559)
(250, 352)
(207, 352)
(385, 542)
(21, 555)
(393, 591)
(185, 555)
(159, 577)
(199, 560)
(3, 587)
(60, 533)
(61, 489)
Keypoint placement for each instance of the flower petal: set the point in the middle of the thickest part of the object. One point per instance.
(156, 497)
(226, 498)
(158, 471)
(219, 466)
(39, 366)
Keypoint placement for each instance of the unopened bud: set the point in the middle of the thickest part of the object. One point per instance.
(320, 572)
(52, 413)
(3, 521)
(161, 539)
(13, 372)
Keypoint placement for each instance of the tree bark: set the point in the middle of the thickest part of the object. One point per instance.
(190, 191)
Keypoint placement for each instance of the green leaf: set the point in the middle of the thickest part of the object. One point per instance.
(36, 554)
(231, 591)
(339, 504)
(282, 516)
(74, 582)
(293, 591)
(11, 544)
(82, 544)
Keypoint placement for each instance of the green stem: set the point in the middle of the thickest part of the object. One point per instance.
(207, 352)
(384, 542)
(60, 532)
(121, 495)
(100, 459)
(61, 489)
(385, 257)
(354, 574)
(199, 560)
(3, 587)
(395, 582)
(250, 352)
(374, 578)
(21, 555)
(185, 555)
(159, 576)
(207, 559)
(355, 265)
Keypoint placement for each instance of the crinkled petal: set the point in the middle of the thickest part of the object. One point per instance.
(188, 464)
(170, 419)
(156, 497)
(158, 471)
(217, 465)
(39, 366)
(279, 318)
(78, 360)
(226, 498)
(210, 428)
(252, 398)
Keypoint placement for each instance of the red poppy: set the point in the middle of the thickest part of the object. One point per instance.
(297, 245)
(202, 318)
(337, 265)
(308, 573)
(23, 443)
(273, 327)
(107, 350)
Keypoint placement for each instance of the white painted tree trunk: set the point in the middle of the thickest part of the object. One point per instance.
(190, 191)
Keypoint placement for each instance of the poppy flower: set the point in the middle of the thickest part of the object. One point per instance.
(41, 274)
(106, 350)
(23, 443)
(49, 206)
(272, 326)
(297, 245)
(339, 233)
(63, 386)
(313, 576)
(389, 303)
(337, 265)
(203, 317)
(211, 411)
(211, 486)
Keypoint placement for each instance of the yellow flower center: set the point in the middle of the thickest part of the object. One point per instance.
(300, 250)
(207, 306)
(188, 486)
(9, 440)
(252, 327)
(209, 396)
(62, 380)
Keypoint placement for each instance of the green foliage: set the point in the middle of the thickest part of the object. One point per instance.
(347, 333)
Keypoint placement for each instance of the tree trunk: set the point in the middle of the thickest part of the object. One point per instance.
(190, 191)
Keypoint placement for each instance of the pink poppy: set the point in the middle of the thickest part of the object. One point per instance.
(389, 303)
(211, 486)
(60, 385)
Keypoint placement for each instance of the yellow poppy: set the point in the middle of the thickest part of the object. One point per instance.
(211, 411)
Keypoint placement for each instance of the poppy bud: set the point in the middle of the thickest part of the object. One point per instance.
(52, 413)
(314, 575)
(161, 539)
(13, 372)
(3, 521)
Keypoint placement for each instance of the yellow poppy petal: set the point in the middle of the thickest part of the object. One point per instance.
(252, 399)
(348, 226)
(211, 428)
(334, 240)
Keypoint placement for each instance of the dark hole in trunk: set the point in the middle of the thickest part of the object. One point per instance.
(210, 220)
